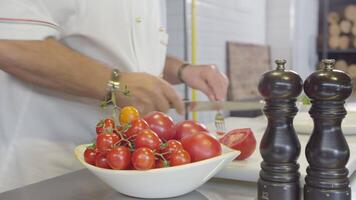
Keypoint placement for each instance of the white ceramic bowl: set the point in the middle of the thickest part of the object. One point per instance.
(164, 182)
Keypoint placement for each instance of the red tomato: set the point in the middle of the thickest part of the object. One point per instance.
(161, 124)
(104, 142)
(188, 127)
(89, 155)
(109, 123)
(99, 127)
(136, 126)
(242, 140)
(119, 158)
(143, 158)
(170, 147)
(161, 163)
(101, 161)
(147, 138)
(105, 126)
(115, 138)
(201, 146)
(179, 157)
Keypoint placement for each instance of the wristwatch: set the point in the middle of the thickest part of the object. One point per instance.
(113, 84)
(180, 71)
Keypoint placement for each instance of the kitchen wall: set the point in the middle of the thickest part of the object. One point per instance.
(288, 26)
(217, 23)
(292, 32)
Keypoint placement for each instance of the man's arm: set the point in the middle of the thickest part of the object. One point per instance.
(171, 67)
(52, 65)
(206, 78)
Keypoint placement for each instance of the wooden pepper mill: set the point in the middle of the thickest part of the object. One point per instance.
(280, 147)
(327, 151)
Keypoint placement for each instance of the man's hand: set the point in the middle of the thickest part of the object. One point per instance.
(208, 79)
(149, 93)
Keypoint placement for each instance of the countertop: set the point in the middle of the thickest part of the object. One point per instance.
(83, 185)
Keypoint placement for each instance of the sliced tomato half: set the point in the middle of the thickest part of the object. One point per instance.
(242, 140)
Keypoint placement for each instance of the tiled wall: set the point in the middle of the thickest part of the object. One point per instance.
(279, 29)
(217, 23)
(292, 32)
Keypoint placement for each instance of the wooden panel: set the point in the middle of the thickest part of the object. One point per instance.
(245, 65)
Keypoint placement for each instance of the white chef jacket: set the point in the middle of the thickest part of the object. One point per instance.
(39, 128)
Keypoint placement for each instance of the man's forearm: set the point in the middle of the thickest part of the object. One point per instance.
(171, 68)
(52, 65)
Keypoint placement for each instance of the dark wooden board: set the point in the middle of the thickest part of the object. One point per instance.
(245, 65)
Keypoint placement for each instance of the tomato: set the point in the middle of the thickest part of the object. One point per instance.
(143, 158)
(136, 126)
(201, 146)
(101, 161)
(242, 140)
(179, 157)
(128, 114)
(188, 127)
(105, 126)
(109, 123)
(89, 155)
(119, 158)
(115, 138)
(147, 138)
(161, 124)
(99, 127)
(161, 163)
(104, 142)
(170, 147)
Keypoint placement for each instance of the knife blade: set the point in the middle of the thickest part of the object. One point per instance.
(195, 106)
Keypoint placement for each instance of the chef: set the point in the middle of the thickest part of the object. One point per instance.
(56, 58)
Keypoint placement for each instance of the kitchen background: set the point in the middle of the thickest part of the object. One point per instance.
(300, 31)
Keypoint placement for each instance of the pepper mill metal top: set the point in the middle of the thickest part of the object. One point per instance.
(280, 83)
(328, 83)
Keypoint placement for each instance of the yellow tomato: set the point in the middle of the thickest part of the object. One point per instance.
(127, 114)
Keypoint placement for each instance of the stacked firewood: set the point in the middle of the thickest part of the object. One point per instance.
(342, 28)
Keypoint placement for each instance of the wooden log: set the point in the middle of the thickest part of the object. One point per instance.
(334, 29)
(344, 42)
(341, 65)
(345, 26)
(334, 42)
(353, 30)
(333, 17)
(350, 12)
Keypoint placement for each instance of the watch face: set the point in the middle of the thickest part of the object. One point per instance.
(115, 75)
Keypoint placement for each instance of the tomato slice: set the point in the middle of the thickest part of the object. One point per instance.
(242, 140)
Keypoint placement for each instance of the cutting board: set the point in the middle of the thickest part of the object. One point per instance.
(246, 60)
(248, 170)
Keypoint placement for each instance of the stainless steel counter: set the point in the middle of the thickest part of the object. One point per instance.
(82, 185)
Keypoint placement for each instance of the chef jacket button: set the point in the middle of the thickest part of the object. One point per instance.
(162, 29)
(138, 19)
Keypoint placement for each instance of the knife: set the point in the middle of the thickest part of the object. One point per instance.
(194, 106)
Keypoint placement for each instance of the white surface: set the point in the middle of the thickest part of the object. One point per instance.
(303, 124)
(161, 183)
(248, 170)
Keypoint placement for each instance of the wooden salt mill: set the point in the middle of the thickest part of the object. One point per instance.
(280, 147)
(327, 151)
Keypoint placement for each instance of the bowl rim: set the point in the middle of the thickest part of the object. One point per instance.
(78, 149)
